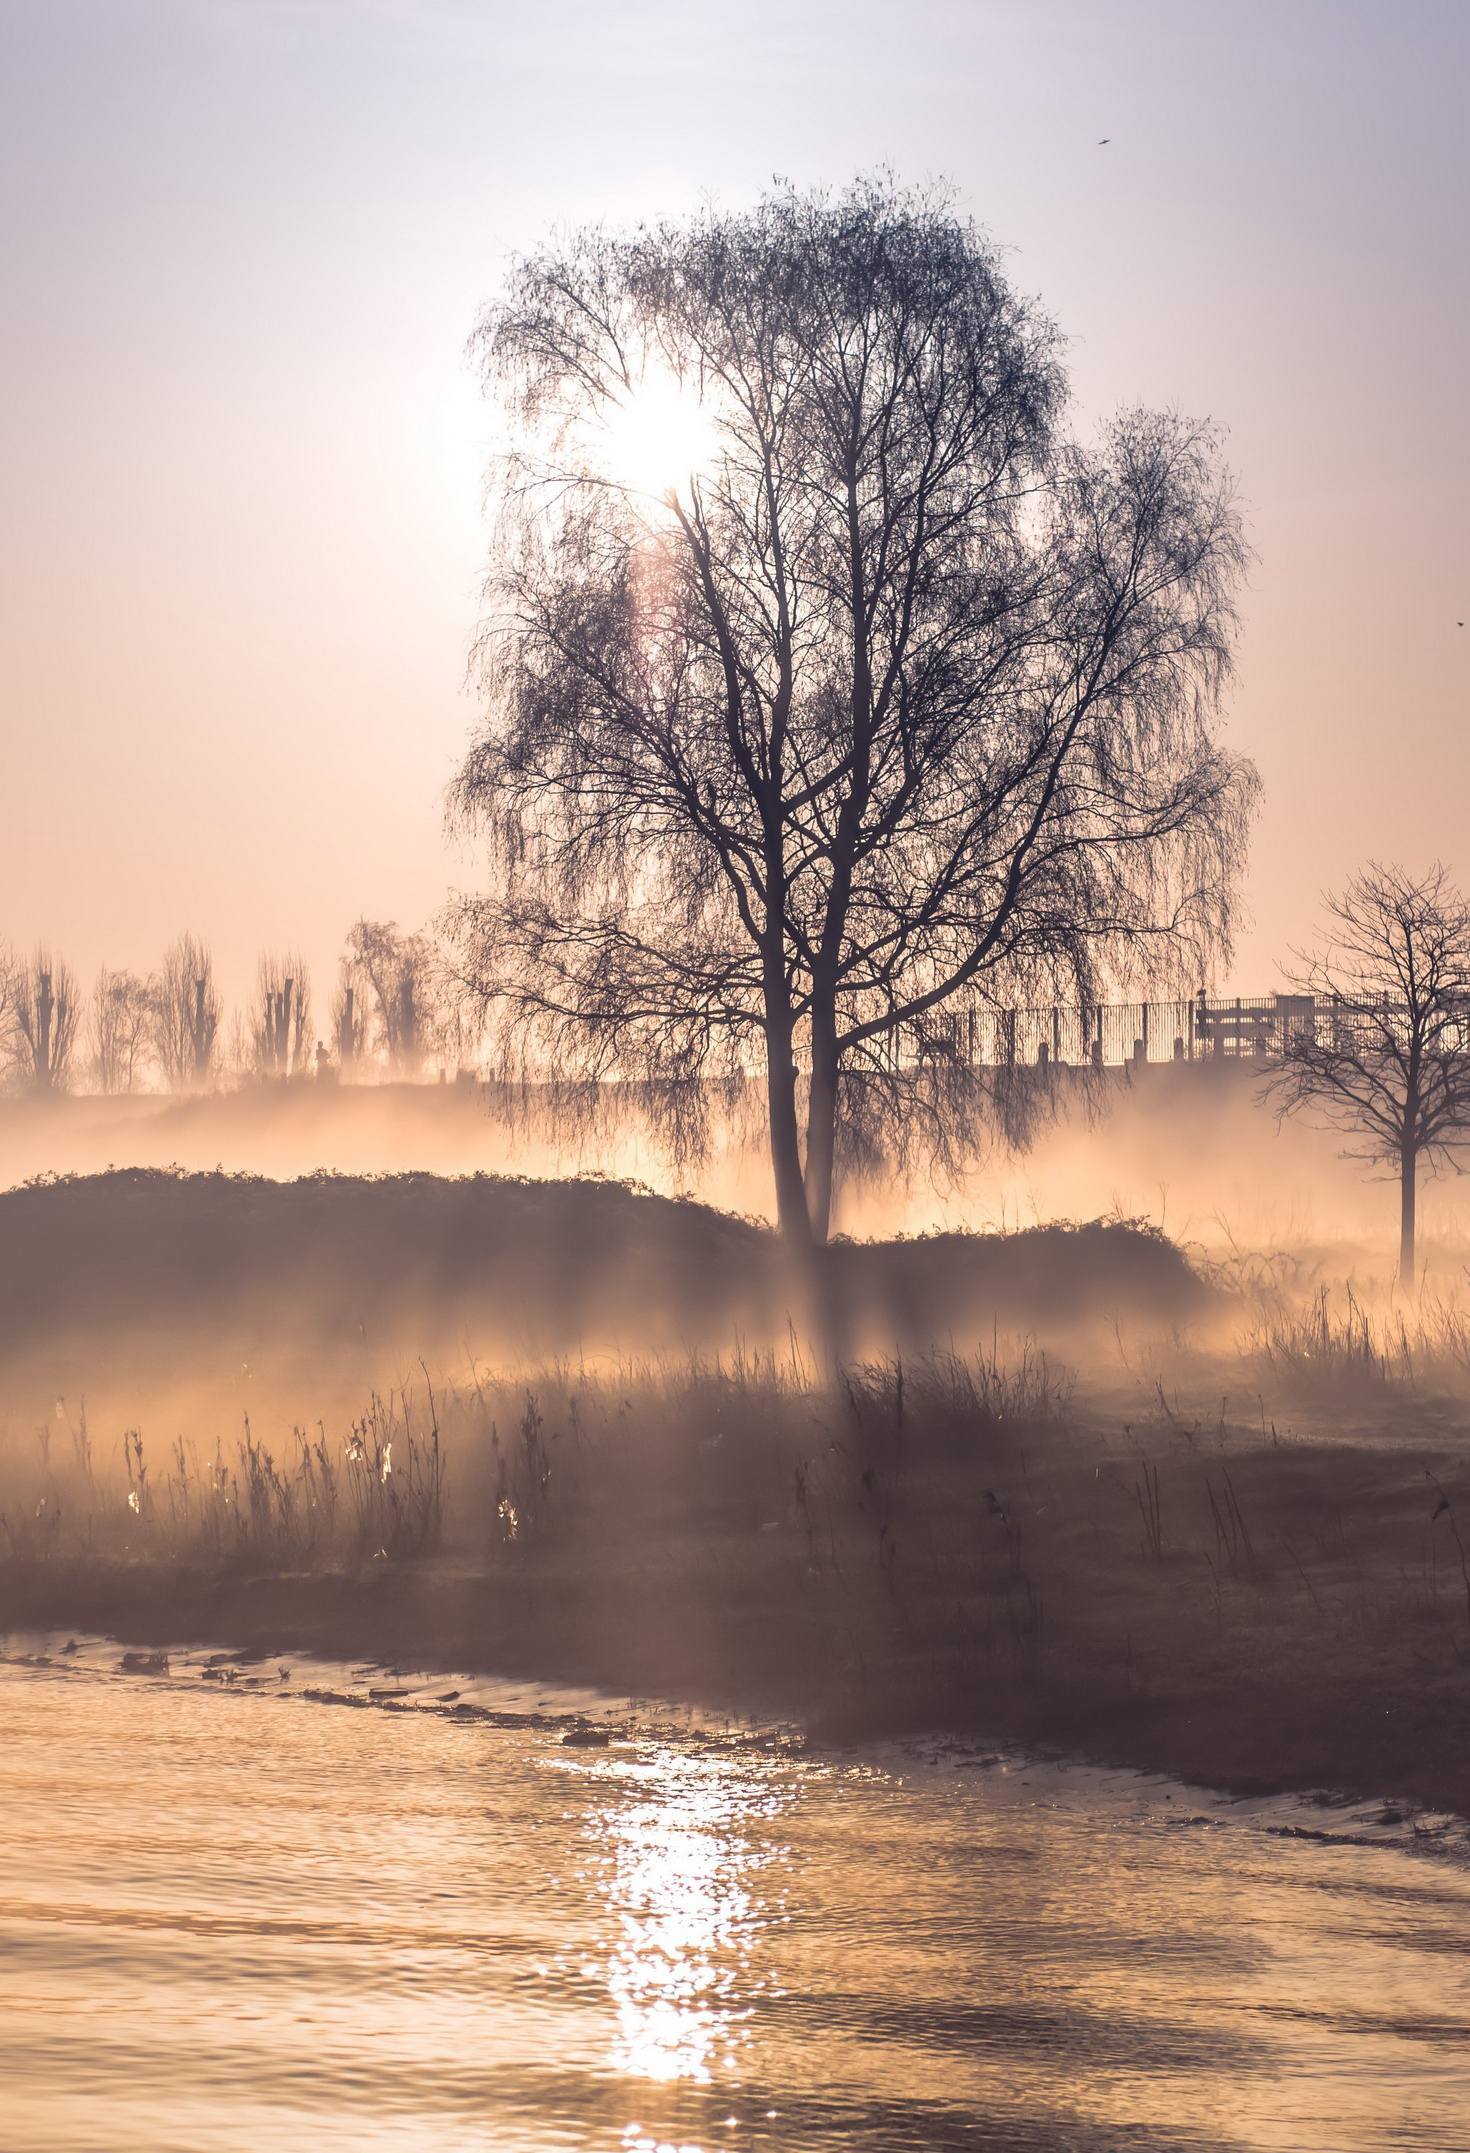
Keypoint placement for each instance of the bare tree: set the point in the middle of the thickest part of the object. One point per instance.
(350, 1017)
(122, 1021)
(186, 1035)
(280, 1032)
(7, 1003)
(400, 973)
(892, 694)
(458, 1029)
(1385, 1057)
(46, 1012)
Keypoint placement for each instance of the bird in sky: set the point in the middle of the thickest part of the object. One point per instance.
(1104, 141)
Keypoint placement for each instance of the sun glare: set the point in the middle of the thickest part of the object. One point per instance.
(658, 439)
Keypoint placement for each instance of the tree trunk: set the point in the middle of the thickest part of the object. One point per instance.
(1407, 1165)
(821, 1128)
(791, 1211)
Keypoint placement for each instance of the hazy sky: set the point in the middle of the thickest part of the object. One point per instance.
(244, 241)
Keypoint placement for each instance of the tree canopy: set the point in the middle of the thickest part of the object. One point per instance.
(888, 690)
(1385, 1057)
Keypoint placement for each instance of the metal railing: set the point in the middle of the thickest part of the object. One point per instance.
(1114, 1035)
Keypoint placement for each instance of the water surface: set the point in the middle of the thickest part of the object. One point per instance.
(234, 1916)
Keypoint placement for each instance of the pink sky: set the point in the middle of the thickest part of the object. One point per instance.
(244, 243)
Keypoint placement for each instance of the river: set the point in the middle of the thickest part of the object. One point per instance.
(237, 1912)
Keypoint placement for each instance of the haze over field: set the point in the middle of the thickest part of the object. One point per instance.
(241, 533)
(734, 1083)
(1203, 1159)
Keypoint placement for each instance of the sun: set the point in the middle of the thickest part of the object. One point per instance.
(657, 439)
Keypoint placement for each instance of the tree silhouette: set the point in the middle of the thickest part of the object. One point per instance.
(280, 1030)
(893, 694)
(123, 1018)
(45, 1014)
(350, 1017)
(188, 1013)
(1385, 1058)
(399, 971)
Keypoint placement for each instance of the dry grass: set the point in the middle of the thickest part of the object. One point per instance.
(1241, 1560)
(630, 1448)
(1333, 1340)
(958, 1539)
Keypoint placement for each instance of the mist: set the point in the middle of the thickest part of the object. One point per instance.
(1195, 1151)
(734, 1076)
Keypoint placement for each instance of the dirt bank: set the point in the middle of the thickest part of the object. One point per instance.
(976, 1537)
(1287, 1618)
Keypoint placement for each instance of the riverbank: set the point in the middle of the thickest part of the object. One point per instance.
(1228, 1538)
(1267, 1617)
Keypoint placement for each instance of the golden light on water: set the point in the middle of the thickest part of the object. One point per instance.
(689, 1916)
(671, 1950)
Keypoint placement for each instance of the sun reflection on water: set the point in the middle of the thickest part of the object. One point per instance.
(682, 1945)
(691, 1891)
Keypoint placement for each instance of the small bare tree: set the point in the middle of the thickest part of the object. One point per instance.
(350, 1018)
(401, 974)
(7, 1003)
(459, 1022)
(46, 1013)
(122, 1021)
(187, 1015)
(1385, 1058)
(280, 1034)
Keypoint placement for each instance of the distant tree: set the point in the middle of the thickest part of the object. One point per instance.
(280, 1031)
(350, 1018)
(400, 972)
(884, 692)
(122, 1021)
(46, 1013)
(459, 1020)
(1386, 1058)
(187, 1015)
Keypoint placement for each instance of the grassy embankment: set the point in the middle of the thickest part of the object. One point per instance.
(970, 1536)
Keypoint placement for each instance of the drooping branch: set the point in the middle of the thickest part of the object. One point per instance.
(901, 695)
